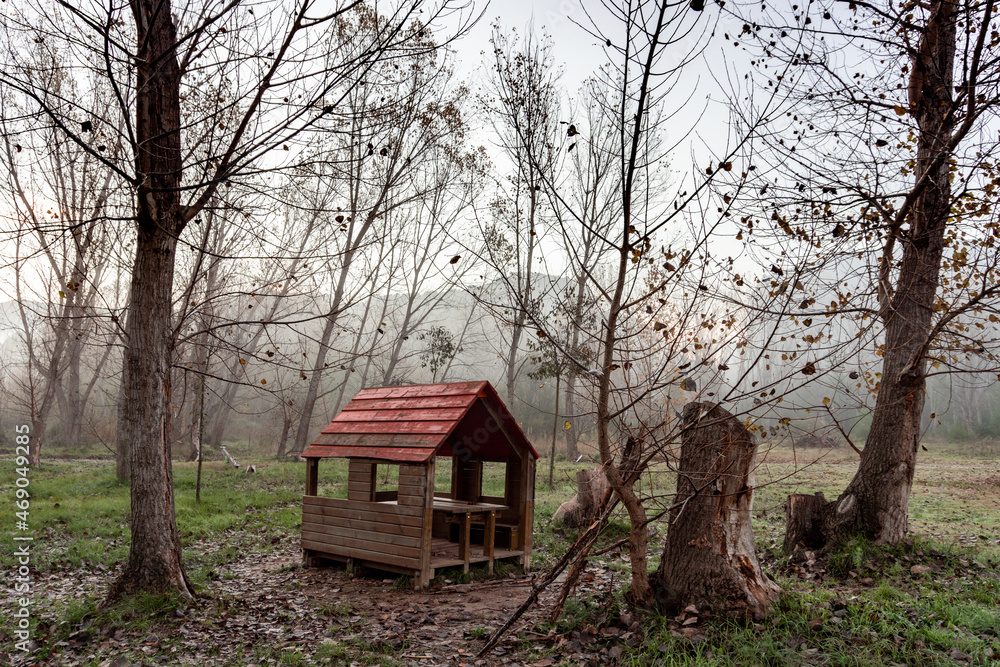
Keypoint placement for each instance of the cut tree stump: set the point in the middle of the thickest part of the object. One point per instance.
(709, 559)
(804, 522)
(583, 508)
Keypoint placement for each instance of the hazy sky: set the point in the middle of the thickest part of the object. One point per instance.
(574, 49)
(700, 98)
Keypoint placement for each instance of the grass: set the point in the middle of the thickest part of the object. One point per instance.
(898, 618)
(899, 621)
(79, 511)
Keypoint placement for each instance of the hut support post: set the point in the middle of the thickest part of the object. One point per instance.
(312, 485)
(528, 514)
(423, 579)
(312, 476)
(489, 533)
(463, 540)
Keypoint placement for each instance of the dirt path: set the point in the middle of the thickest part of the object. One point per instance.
(269, 610)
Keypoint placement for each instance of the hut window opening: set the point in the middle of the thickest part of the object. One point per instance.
(386, 482)
(442, 478)
(494, 482)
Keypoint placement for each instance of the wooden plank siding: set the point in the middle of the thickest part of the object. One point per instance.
(364, 511)
(413, 485)
(391, 534)
(360, 480)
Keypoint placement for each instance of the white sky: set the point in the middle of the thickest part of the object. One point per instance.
(575, 50)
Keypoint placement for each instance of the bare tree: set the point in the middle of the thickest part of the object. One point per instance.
(431, 266)
(585, 213)
(880, 179)
(658, 333)
(521, 99)
(294, 66)
(61, 200)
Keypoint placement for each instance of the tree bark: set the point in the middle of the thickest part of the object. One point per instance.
(639, 588)
(804, 522)
(709, 558)
(123, 462)
(154, 562)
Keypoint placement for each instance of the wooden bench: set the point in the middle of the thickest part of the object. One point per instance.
(505, 534)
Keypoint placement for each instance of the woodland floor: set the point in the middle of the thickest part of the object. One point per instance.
(933, 601)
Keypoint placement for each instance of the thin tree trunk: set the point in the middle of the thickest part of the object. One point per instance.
(515, 342)
(72, 418)
(304, 429)
(639, 590)
(286, 425)
(201, 438)
(574, 344)
(555, 432)
(570, 409)
(524, 295)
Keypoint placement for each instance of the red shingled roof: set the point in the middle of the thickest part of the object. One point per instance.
(413, 424)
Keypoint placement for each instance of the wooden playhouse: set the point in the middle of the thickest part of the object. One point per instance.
(397, 439)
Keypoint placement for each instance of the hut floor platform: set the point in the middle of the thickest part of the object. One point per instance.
(445, 553)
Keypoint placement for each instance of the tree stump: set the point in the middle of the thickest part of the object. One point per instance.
(804, 522)
(709, 559)
(585, 507)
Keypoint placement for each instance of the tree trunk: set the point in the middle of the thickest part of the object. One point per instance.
(524, 295)
(38, 426)
(511, 373)
(555, 432)
(305, 429)
(572, 433)
(709, 559)
(154, 561)
(196, 421)
(638, 539)
(804, 521)
(72, 418)
(221, 409)
(585, 506)
(874, 504)
(286, 425)
(570, 408)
